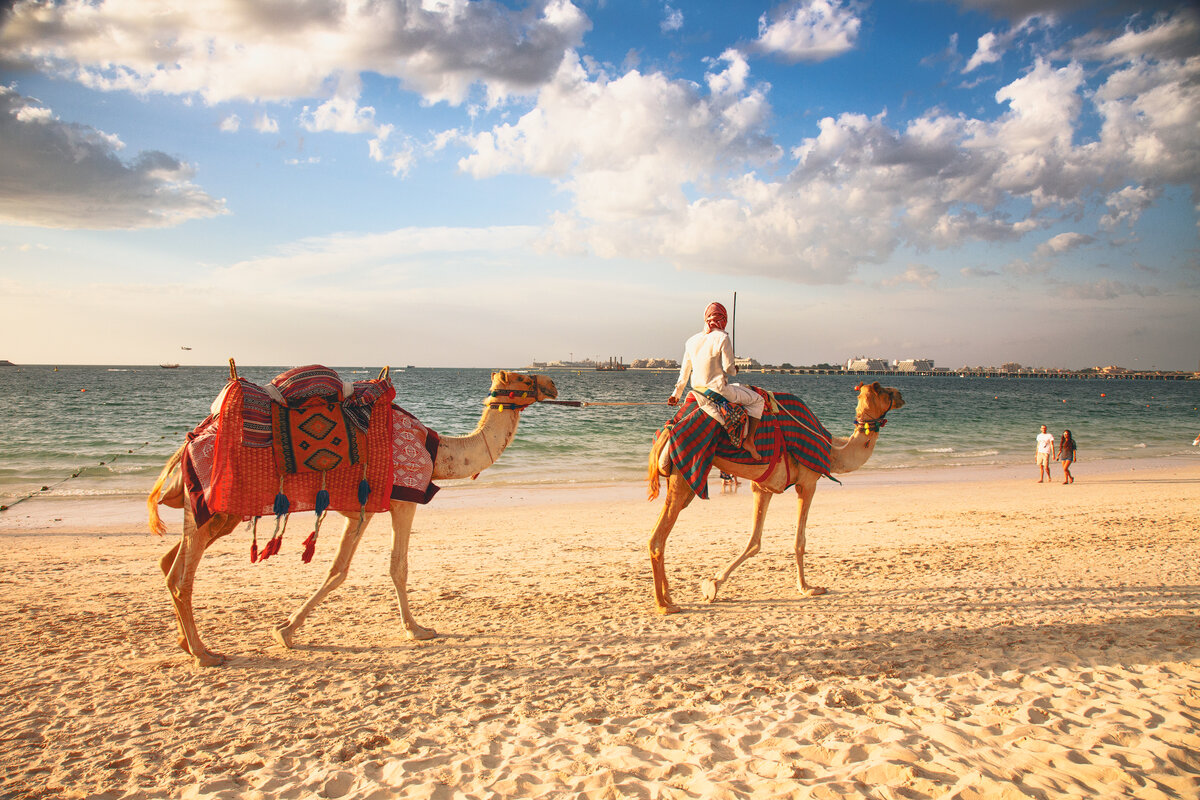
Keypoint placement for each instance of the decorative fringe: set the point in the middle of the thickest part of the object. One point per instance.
(364, 492)
(281, 516)
(322, 503)
(254, 541)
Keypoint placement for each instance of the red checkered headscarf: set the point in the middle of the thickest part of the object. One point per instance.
(715, 317)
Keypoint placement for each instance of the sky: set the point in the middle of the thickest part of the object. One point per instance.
(489, 183)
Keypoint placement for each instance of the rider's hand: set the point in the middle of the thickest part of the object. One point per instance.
(672, 400)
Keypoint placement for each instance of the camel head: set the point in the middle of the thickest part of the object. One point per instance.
(514, 390)
(874, 402)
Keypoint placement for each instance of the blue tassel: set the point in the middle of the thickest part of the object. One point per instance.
(322, 502)
(364, 491)
(281, 504)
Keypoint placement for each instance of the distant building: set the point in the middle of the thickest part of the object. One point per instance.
(654, 363)
(744, 362)
(1011, 366)
(915, 365)
(864, 364)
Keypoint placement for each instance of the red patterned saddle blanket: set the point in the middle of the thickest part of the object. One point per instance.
(306, 433)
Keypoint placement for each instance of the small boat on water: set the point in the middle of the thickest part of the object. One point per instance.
(169, 366)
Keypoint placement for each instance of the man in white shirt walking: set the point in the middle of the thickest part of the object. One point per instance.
(1045, 453)
(708, 361)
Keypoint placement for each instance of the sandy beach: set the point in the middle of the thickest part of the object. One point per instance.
(983, 637)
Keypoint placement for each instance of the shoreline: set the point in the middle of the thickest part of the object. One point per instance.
(127, 511)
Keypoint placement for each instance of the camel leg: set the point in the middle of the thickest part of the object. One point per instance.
(762, 499)
(181, 577)
(351, 536)
(165, 563)
(679, 496)
(402, 520)
(805, 489)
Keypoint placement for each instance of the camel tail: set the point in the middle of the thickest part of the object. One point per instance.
(653, 474)
(156, 523)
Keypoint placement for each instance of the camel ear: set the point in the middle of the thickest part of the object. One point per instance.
(875, 387)
(501, 376)
(897, 398)
(858, 386)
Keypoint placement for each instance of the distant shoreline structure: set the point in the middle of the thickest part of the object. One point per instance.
(1064, 374)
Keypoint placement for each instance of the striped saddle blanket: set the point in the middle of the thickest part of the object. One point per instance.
(788, 426)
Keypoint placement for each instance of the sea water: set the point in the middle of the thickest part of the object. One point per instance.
(107, 430)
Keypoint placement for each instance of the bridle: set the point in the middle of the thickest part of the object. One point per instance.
(878, 422)
(513, 399)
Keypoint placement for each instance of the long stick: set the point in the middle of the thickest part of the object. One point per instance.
(579, 403)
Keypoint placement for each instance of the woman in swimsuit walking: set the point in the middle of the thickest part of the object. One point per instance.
(1066, 454)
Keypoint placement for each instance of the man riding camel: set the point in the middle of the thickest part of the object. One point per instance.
(708, 361)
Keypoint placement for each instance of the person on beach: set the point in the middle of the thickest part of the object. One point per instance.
(708, 362)
(1045, 453)
(1066, 454)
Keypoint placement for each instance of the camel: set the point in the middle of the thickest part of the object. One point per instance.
(874, 402)
(457, 457)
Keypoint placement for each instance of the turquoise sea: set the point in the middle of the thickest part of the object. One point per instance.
(107, 430)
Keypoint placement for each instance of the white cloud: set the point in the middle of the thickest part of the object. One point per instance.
(989, 50)
(628, 148)
(672, 19)
(1062, 243)
(916, 274)
(263, 123)
(1126, 206)
(229, 49)
(231, 124)
(1176, 36)
(810, 30)
(56, 174)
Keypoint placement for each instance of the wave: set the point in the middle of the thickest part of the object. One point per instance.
(935, 450)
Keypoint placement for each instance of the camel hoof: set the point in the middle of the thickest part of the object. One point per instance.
(813, 591)
(283, 635)
(708, 588)
(420, 634)
(209, 659)
(669, 609)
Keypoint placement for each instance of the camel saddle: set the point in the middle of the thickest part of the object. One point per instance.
(306, 431)
(788, 427)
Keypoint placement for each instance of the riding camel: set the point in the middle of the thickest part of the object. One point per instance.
(457, 457)
(847, 455)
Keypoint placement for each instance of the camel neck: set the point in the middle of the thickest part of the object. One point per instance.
(849, 454)
(466, 456)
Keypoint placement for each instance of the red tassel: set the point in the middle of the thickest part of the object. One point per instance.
(310, 547)
(253, 552)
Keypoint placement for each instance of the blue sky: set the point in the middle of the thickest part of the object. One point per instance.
(452, 183)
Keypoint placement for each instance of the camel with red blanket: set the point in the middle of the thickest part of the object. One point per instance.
(786, 430)
(446, 457)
